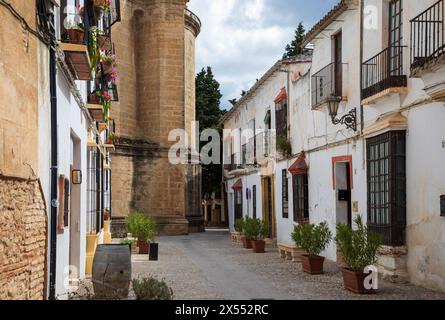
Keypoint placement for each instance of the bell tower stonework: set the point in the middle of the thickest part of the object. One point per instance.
(155, 41)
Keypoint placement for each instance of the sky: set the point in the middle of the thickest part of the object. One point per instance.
(242, 39)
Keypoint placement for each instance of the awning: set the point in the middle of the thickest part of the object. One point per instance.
(299, 167)
(282, 96)
(238, 185)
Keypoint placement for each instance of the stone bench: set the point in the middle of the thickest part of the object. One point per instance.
(290, 252)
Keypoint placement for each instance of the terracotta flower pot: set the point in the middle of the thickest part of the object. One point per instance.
(75, 36)
(94, 98)
(355, 282)
(258, 246)
(107, 67)
(312, 264)
(247, 244)
(143, 247)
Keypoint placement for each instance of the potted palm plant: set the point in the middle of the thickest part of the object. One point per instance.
(140, 226)
(257, 231)
(359, 250)
(313, 239)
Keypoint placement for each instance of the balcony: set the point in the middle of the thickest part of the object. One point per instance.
(327, 84)
(265, 147)
(383, 74)
(234, 162)
(428, 50)
(427, 38)
(96, 112)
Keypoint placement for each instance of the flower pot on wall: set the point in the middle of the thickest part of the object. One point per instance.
(355, 282)
(312, 264)
(154, 247)
(258, 246)
(247, 243)
(143, 247)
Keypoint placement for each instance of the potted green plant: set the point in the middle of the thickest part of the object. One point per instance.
(151, 289)
(245, 238)
(359, 250)
(236, 236)
(257, 231)
(313, 239)
(140, 226)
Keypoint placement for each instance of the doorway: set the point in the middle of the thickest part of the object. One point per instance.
(75, 201)
(269, 205)
(343, 193)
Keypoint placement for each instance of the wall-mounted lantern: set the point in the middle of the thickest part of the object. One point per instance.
(76, 176)
(349, 120)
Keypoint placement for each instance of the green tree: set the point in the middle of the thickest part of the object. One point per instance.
(208, 113)
(296, 46)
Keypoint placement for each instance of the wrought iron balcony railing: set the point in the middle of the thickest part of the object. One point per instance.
(383, 71)
(427, 36)
(265, 146)
(327, 83)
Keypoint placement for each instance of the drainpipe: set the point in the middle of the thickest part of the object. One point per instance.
(361, 69)
(54, 167)
(362, 117)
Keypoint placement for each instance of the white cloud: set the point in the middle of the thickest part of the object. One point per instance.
(237, 42)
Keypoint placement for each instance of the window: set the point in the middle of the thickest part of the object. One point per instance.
(285, 194)
(395, 37)
(281, 118)
(386, 178)
(254, 201)
(301, 198)
(238, 204)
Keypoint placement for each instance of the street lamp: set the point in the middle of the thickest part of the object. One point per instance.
(349, 120)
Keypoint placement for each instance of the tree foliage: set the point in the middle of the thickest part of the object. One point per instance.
(208, 113)
(296, 46)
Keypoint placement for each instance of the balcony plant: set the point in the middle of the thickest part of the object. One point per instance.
(101, 6)
(284, 146)
(143, 228)
(75, 33)
(106, 102)
(257, 231)
(313, 239)
(245, 238)
(94, 48)
(151, 289)
(359, 250)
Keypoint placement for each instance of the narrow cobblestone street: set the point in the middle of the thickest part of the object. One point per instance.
(210, 266)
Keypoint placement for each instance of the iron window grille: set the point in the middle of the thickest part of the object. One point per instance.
(301, 198)
(254, 201)
(386, 179)
(285, 194)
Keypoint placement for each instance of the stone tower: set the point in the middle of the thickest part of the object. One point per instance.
(155, 41)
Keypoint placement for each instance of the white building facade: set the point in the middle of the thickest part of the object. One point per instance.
(366, 129)
(84, 134)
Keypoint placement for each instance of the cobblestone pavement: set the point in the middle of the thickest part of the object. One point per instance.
(210, 266)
